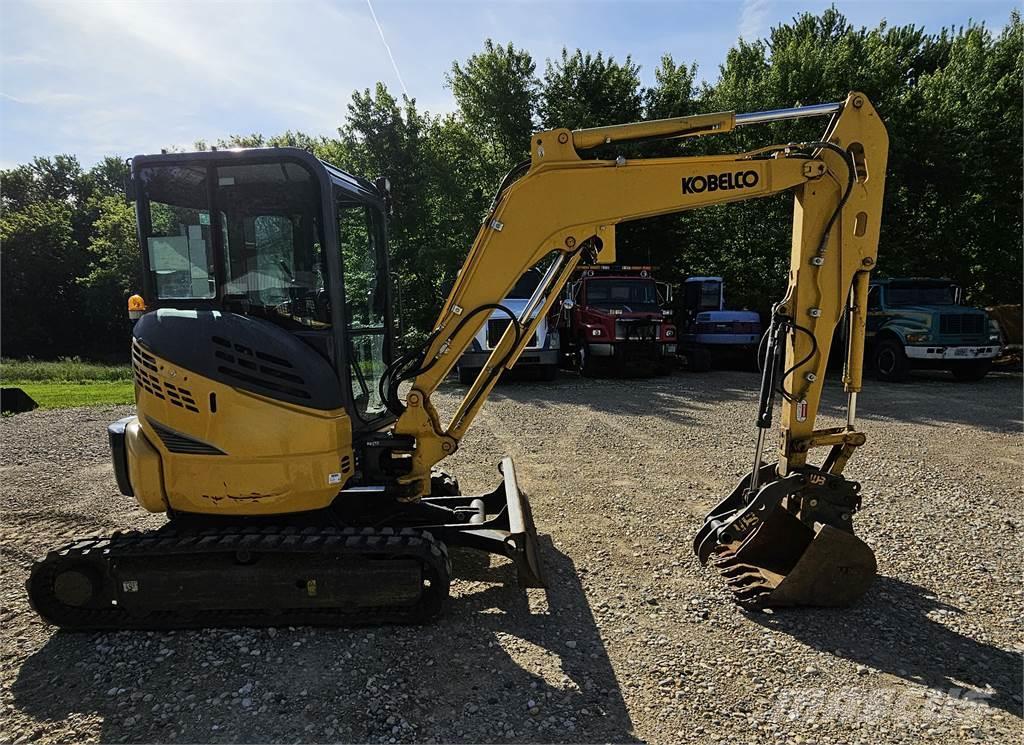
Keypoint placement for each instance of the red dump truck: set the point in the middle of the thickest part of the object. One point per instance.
(614, 319)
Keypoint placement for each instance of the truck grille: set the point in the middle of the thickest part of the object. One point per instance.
(636, 331)
(496, 328)
(726, 327)
(961, 323)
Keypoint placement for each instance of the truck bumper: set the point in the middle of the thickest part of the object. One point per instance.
(721, 340)
(953, 353)
(528, 358)
(628, 351)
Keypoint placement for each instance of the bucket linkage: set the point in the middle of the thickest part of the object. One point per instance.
(787, 539)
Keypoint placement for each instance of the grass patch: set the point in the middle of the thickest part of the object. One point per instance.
(66, 395)
(69, 382)
(65, 370)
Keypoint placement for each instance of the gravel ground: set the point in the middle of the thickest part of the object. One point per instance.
(633, 641)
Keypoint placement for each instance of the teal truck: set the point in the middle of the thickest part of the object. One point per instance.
(922, 324)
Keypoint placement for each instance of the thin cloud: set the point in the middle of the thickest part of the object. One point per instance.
(388, 48)
(46, 98)
(169, 78)
(753, 19)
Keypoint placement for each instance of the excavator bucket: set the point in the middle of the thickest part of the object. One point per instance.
(785, 562)
(769, 557)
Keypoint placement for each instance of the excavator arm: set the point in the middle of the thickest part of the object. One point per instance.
(560, 207)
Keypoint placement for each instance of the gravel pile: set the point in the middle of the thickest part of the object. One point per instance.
(633, 641)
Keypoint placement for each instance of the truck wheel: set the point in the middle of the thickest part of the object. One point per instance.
(698, 360)
(468, 374)
(584, 362)
(891, 361)
(969, 372)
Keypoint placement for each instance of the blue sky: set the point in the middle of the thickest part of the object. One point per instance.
(121, 77)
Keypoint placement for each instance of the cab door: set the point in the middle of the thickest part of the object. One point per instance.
(365, 277)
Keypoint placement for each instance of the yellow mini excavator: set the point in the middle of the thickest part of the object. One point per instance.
(295, 453)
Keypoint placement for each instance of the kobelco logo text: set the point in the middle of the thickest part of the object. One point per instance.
(720, 182)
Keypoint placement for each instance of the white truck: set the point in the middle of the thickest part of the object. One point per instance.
(541, 356)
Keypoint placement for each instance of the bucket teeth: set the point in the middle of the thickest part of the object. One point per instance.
(739, 571)
(748, 584)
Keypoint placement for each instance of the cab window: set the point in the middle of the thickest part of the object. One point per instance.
(273, 258)
(874, 299)
(179, 242)
(365, 297)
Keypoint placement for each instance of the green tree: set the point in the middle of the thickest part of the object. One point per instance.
(382, 137)
(942, 155)
(958, 211)
(584, 90)
(674, 92)
(496, 93)
(40, 258)
(114, 248)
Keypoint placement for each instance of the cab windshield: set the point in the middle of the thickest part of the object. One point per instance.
(921, 295)
(267, 217)
(627, 295)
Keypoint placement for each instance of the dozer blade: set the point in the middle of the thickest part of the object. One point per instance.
(784, 562)
(504, 526)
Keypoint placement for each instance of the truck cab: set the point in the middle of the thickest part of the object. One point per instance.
(707, 330)
(541, 356)
(613, 319)
(917, 323)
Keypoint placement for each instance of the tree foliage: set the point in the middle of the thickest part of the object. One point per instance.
(951, 101)
(587, 90)
(496, 93)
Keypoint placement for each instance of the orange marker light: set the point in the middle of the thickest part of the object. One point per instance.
(136, 307)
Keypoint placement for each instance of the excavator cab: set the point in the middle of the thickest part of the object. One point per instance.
(262, 431)
(282, 239)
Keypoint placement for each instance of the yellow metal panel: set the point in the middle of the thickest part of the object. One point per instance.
(278, 457)
(145, 471)
(607, 254)
(560, 204)
(818, 292)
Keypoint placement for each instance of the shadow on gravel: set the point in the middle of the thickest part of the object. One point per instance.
(891, 631)
(935, 398)
(672, 397)
(498, 667)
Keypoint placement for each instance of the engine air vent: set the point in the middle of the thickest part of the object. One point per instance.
(182, 444)
(258, 369)
(148, 377)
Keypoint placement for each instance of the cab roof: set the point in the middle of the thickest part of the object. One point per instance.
(935, 281)
(327, 173)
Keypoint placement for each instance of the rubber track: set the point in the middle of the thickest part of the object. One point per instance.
(168, 541)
